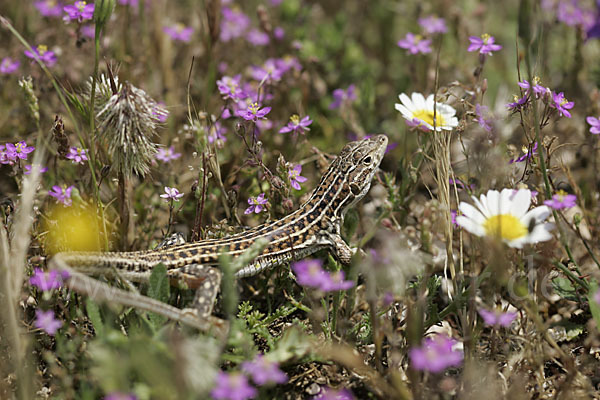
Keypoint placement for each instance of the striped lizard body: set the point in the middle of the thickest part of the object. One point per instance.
(314, 226)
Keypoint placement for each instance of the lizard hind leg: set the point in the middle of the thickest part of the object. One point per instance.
(207, 282)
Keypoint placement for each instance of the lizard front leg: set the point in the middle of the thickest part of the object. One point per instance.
(207, 282)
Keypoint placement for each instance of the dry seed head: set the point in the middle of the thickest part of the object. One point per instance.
(103, 91)
(127, 122)
(26, 85)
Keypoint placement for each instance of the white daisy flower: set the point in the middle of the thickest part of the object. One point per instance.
(505, 215)
(418, 111)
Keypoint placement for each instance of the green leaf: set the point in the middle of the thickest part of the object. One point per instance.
(565, 289)
(93, 312)
(159, 290)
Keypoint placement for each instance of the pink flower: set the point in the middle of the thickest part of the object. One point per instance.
(562, 199)
(415, 44)
(179, 32)
(436, 354)
(42, 53)
(295, 178)
(433, 24)
(256, 204)
(171, 194)
(264, 371)
(48, 280)
(80, 11)
(297, 125)
(254, 112)
(167, 155)
(9, 66)
(45, 321)
(485, 44)
(497, 318)
(595, 125)
(562, 104)
(77, 155)
(62, 194)
(257, 38)
(49, 8)
(233, 386)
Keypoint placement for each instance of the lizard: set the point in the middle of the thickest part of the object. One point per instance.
(316, 225)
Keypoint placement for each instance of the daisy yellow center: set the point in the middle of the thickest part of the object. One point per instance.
(505, 226)
(427, 117)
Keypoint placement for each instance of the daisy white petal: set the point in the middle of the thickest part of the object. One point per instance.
(520, 202)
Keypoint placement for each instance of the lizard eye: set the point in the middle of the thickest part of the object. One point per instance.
(367, 160)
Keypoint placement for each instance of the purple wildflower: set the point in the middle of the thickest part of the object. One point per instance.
(310, 273)
(179, 32)
(5, 157)
(570, 13)
(538, 89)
(562, 199)
(18, 150)
(62, 194)
(48, 280)
(485, 44)
(45, 321)
(481, 112)
(8, 65)
(341, 96)
(518, 103)
(433, 24)
(415, 44)
(256, 204)
(132, 3)
(77, 155)
(28, 169)
(264, 371)
(257, 38)
(297, 125)
(254, 112)
(336, 282)
(167, 155)
(49, 8)
(230, 88)
(295, 178)
(171, 194)
(453, 215)
(595, 125)
(562, 104)
(42, 53)
(232, 386)
(436, 354)
(497, 317)
(287, 63)
(528, 154)
(278, 33)
(233, 24)
(268, 72)
(80, 11)
(332, 394)
(120, 396)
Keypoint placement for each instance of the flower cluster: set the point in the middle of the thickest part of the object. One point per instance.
(310, 273)
(436, 354)
(10, 153)
(533, 91)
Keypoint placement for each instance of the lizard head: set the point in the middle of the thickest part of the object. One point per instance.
(358, 162)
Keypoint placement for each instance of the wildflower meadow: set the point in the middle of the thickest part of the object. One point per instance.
(468, 270)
